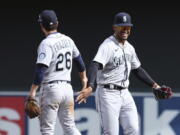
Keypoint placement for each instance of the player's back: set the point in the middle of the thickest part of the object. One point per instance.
(59, 51)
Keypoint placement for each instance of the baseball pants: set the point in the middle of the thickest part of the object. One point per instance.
(116, 107)
(57, 100)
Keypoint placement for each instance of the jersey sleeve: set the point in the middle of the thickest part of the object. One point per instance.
(103, 54)
(44, 54)
(75, 50)
(135, 63)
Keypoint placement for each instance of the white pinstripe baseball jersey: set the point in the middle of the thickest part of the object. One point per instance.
(57, 51)
(117, 61)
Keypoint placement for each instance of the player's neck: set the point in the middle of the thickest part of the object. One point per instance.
(122, 41)
(50, 32)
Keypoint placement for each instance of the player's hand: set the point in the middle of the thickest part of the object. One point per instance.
(163, 92)
(83, 95)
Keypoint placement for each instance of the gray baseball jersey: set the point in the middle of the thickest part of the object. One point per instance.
(117, 61)
(56, 99)
(114, 105)
(56, 51)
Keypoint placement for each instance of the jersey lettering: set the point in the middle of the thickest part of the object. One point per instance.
(57, 51)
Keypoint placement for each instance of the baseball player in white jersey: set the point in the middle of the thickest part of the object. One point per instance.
(111, 68)
(53, 75)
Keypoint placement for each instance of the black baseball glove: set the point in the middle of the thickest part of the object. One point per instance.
(32, 108)
(164, 92)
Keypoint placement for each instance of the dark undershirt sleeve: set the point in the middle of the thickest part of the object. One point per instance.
(142, 75)
(79, 63)
(92, 73)
(39, 73)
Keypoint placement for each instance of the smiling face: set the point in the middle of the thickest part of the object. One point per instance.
(122, 32)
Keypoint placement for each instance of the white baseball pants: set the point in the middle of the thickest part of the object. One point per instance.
(116, 107)
(57, 100)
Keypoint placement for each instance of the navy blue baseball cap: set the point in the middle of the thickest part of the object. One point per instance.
(122, 19)
(48, 17)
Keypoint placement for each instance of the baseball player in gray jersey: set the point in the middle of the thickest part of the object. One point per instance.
(111, 68)
(53, 75)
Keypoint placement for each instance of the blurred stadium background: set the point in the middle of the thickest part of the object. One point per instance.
(155, 36)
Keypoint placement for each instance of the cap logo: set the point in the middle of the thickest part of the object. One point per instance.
(124, 18)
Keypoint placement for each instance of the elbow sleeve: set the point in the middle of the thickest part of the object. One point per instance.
(142, 75)
(92, 73)
(39, 73)
(79, 63)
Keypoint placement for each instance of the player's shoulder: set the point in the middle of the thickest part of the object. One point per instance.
(44, 43)
(66, 37)
(50, 40)
(107, 42)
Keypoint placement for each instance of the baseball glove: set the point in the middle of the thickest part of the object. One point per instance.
(164, 92)
(32, 108)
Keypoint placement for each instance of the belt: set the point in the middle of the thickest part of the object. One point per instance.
(56, 81)
(112, 86)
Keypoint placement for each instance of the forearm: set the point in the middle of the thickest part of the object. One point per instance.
(39, 74)
(82, 70)
(33, 90)
(82, 75)
(142, 75)
(83, 78)
(92, 73)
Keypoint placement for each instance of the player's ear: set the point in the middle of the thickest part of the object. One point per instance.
(114, 28)
(43, 29)
(41, 25)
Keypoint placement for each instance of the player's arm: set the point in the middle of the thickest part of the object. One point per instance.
(92, 73)
(39, 75)
(82, 70)
(160, 92)
(101, 59)
(142, 75)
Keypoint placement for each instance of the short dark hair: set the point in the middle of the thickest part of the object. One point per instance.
(50, 27)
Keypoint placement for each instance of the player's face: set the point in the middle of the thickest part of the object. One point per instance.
(122, 32)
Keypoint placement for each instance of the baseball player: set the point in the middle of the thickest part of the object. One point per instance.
(111, 68)
(53, 75)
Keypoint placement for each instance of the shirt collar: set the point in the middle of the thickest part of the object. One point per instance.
(118, 43)
(53, 34)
